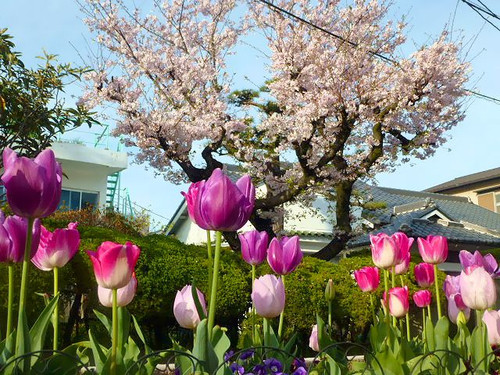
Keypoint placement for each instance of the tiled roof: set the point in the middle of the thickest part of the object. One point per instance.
(404, 210)
(466, 180)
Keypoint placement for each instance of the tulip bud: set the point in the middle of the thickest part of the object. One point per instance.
(185, 311)
(385, 252)
(254, 246)
(422, 298)
(398, 301)
(433, 249)
(424, 274)
(124, 295)
(13, 238)
(462, 317)
(367, 278)
(33, 186)
(268, 296)
(477, 288)
(313, 339)
(404, 245)
(284, 255)
(329, 291)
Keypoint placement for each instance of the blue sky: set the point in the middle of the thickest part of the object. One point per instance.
(57, 26)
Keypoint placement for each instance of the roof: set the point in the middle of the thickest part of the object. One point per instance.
(420, 214)
(466, 180)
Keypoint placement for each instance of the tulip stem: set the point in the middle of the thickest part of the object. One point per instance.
(386, 286)
(114, 332)
(393, 274)
(282, 315)
(423, 324)
(253, 306)
(436, 283)
(401, 278)
(215, 277)
(408, 334)
(267, 333)
(330, 317)
(10, 302)
(429, 312)
(20, 345)
(373, 308)
(55, 316)
(210, 262)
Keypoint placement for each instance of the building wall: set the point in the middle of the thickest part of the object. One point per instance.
(485, 194)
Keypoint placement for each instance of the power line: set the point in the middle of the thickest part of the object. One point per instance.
(278, 9)
(478, 10)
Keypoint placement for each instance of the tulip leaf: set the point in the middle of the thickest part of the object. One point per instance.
(197, 303)
(99, 352)
(184, 363)
(332, 367)
(147, 349)
(270, 338)
(220, 344)
(104, 320)
(39, 329)
(23, 341)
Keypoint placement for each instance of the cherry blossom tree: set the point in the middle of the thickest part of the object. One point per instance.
(334, 109)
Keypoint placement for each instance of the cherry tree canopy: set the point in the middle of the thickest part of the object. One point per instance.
(333, 109)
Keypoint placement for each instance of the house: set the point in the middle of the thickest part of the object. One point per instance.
(481, 188)
(418, 214)
(89, 174)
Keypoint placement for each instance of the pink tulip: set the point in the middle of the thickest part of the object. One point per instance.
(455, 306)
(219, 204)
(313, 339)
(13, 238)
(367, 278)
(404, 245)
(399, 303)
(402, 268)
(385, 252)
(254, 246)
(433, 249)
(424, 275)
(58, 248)
(114, 263)
(268, 296)
(492, 320)
(477, 288)
(185, 311)
(284, 255)
(422, 298)
(33, 186)
(124, 295)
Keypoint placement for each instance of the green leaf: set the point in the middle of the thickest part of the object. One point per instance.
(23, 340)
(270, 338)
(39, 329)
(197, 303)
(99, 352)
(104, 320)
(220, 343)
(147, 349)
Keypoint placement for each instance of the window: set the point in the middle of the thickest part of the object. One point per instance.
(497, 202)
(76, 200)
(3, 196)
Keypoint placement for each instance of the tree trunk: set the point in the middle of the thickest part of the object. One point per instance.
(343, 227)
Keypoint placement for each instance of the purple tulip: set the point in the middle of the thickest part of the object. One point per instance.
(492, 320)
(268, 296)
(219, 204)
(488, 262)
(422, 298)
(313, 339)
(185, 311)
(33, 186)
(424, 274)
(254, 246)
(367, 278)
(433, 249)
(385, 251)
(398, 303)
(13, 238)
(451, 288)
(124, 295)
(58, 248)
(284, 255)
(477, 288)
(114, 263)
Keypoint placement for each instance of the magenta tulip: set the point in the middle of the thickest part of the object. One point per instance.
(422, 298)
(385, 251)
(424, 275)
(399, 303)
(219, 204)
(367, 278)
(433, 249)
(268, 296)
(477, 288)
(404, 245)
(124, 295)
(185, 311)
(313, 339)
(254, 246)
(114, 263)
(33, 186)
(488, 262)
(284, 255)
(492, 320)
(57, 248)
(402, 267)
(13, 238)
